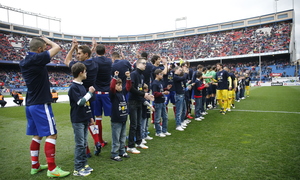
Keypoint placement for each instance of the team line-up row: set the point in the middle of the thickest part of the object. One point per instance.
(94, 93)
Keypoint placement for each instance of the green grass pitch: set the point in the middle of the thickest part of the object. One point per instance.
(259, 139)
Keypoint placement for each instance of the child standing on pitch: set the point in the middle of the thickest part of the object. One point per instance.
(146, 112)
(159, 104)
(81, 118)
(198, 87)
(119, 113)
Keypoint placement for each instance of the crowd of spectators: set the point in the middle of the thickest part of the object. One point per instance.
(267, 66)
(12, 78)
(250, 40)
(61, 77)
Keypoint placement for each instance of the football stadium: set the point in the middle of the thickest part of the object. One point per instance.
(253, 134)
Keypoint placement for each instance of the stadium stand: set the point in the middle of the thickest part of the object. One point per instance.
(270, 37)
(207, 47)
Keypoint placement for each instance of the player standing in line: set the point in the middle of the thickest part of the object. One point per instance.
(102, 102)
(231, 93)
(222, 89)
(83, 55)
(188, 92)
(40, 118)
(247, 84)
(121, 66)
(242, 86)
(207, 77)
(168, 80)
(214, 86)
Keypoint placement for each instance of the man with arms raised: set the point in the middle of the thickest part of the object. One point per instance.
(102, 86)
(40, 118)
(83, 55)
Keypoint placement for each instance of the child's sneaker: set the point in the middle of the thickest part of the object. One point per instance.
(88, 168)
(143, 146)
(148, 138)
(82, 172)
(117, 158)
(133, 151)
(125, 155)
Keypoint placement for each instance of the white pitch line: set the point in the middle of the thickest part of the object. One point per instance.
(285, 112)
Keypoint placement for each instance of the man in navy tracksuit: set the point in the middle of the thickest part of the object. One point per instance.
(135, 101)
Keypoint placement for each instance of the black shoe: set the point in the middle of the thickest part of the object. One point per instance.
(97, 149)
(117, 158)
(125, 155)
(88, 155)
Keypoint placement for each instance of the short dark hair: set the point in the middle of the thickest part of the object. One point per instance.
(85, 49)
(177, 67)
(77, 68)
(213, 67)
(100, 49)
(187, 63)
(154, 58)
(199, 66)
(144, 55)
(220, 64)
(198, 74)
(115, 55)
(35, 43)
(157, 71)
(119, 81)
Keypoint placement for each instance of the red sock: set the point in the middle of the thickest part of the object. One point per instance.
(152, 117)
(174, 109)
(87, 150)
(95, 135)
(34, 152)
(50, 153)
(99, 123)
